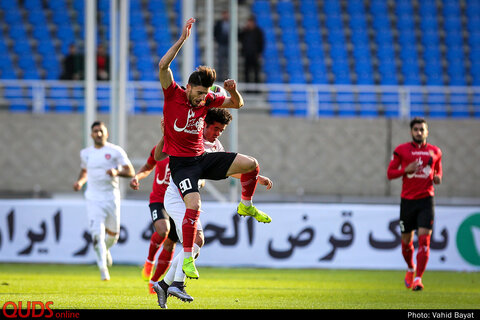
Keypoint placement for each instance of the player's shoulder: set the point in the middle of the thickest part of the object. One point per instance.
(435, 148)
(86, 150)
(403, 147)
(114, 147)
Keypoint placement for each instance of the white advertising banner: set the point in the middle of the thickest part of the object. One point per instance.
(300, 235)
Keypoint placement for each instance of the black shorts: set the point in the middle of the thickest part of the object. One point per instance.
(157, 212)
(186, 171)
(416, 214)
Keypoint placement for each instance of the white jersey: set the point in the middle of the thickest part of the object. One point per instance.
(173, 202)
(101, 186)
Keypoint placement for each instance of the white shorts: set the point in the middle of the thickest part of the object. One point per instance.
(175, 208)
(103, 214)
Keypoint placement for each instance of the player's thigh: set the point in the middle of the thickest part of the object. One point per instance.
(160, 218)
(408, 216)
(242, 164)
(426, 213)
(175, 208)
(112, 219)
(96, 217)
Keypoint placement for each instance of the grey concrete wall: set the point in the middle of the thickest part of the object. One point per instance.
(328, 157)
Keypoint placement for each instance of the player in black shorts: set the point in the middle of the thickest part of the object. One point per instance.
(415, 214)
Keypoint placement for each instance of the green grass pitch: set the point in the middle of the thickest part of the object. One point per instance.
(79, 287)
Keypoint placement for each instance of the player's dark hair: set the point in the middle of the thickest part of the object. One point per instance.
(97, 123)
(417, 120)
(220, 115)
(203, 76)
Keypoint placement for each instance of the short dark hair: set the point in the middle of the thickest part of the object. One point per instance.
(98, 123)
(417, 120)
(220, 115)
(203, 76)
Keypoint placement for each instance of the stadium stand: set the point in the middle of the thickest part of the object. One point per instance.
(356, 44)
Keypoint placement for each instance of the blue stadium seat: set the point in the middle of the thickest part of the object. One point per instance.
(347, 106)
(459, 105)
(368, 104)
(390, 102)
(326, 105)
(279, 103)
(437, 104)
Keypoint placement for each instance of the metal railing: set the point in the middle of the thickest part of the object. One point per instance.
(303, 100)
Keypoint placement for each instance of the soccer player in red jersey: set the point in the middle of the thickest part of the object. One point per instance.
(161, 221)
(420, 166)
(184, 112)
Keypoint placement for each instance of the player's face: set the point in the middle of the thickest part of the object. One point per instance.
(213, 131)
(99, 135)
(196, 94)
(419, 132)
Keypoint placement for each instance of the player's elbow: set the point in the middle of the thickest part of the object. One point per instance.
(163, 65)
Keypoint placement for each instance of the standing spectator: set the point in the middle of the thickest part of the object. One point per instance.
(103, 64)
(253, 43)
(72, 65)
(222, 38)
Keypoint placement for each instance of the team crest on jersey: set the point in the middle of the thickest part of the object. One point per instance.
(108, 156)
(192, 125)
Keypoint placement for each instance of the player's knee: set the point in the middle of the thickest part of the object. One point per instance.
(162, 228)
(192, 201)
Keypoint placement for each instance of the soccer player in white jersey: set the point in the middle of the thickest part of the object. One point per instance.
(216, 121)
(101, 165)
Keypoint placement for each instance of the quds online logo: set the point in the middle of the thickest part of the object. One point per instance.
(468, 239)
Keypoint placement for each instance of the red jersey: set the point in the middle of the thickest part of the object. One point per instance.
(161, 179)
(183, 123)
(419, 184)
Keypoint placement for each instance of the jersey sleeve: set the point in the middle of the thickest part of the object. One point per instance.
(122, 157)
(83, 159)
(170, 91)
(394, 170)
(151, 158)
(214, 100)
(438, 171)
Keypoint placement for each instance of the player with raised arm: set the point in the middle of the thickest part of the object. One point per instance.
(172, 284)
(419, 164)
(101, 165)
(184, 113)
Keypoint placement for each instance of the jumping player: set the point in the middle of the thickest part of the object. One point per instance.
(184, 113)
(420, 166)
(216, 121)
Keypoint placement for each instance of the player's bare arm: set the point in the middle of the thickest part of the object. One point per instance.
(144, 171)
(164, 72)
(82, 179)
(262, 180)
(235, 100)
(125, 171)
(159, 155)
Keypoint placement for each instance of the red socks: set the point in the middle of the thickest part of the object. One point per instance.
(189, 228)
(407, 252)
(163, 263)
(249, 183)
(155, 242)
(423, 254)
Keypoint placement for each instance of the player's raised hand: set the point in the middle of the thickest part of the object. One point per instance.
(230, 85)
(187, 29)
